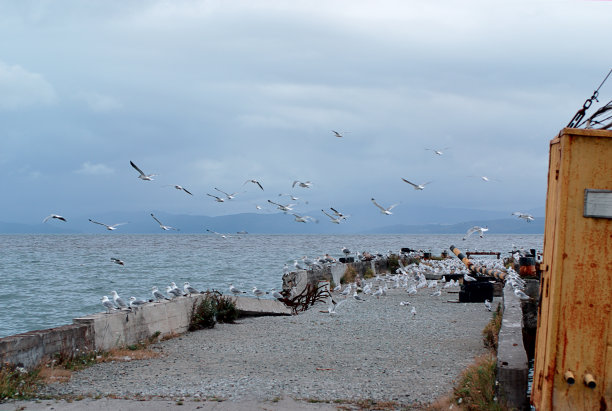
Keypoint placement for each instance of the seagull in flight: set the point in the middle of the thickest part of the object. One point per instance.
(214, 232)
(178, 187)
(333, 306)
(291, 196)
(229, 196)
(304, 219)
(254, 182)
(386, 211)
(339, 134)
(281, 207)
(335, 220)
(339, 214)
(438, 152)
(524, 216)
(304, 184)
(117, 261)
(217, 199)
(56, 216)
(142, 176)
(163, 227)
(476, 229)
(416, 186)
(108, 227)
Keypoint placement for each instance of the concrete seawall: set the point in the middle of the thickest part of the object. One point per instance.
(102, 331)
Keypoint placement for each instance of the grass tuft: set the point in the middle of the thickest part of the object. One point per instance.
(17, 383)
(491, 331)
(350, 274)
(476, 387)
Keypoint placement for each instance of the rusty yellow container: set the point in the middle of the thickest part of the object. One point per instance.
(573, 355)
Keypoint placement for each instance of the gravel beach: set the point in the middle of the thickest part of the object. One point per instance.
(374, 350)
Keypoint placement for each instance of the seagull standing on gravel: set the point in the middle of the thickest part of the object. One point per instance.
(436, 293)
(476, 229)
(142, 176)
(56, 216)
(386, 211)
(416, 186)
(413, 312)
(487, 304)
(119, 302)
(108, 304)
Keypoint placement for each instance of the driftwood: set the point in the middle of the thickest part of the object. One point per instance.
(307, 298)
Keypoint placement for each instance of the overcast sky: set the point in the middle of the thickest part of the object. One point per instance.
(212, 93)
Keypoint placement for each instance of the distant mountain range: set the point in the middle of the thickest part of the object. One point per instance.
(276, 223)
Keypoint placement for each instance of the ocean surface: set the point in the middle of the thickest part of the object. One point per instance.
(47, 280)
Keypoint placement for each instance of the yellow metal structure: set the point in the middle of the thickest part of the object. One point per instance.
(573, 355)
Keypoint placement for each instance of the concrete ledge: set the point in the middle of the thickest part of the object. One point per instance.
(31, 348)
(253, 306)
(512, 363)
(102, 331)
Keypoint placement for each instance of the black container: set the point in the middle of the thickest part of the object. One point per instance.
(476, 292)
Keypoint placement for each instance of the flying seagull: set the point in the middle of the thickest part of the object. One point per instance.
(178, 187)
(303, 219)
(476, 229)
(217, 199)
(254, 182)
(229, 196)
(339, 214)
(58, 217)
(339, 134)
(524, 216)
(163, 227)
(117, 261)
(214, 232)
(335, 220)
(438, 152)
(416, 186)
(108, 227)
(142, 176)
(386, 211)
(304, 184)
(281, 207)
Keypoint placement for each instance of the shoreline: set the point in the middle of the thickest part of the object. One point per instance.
(371, 350)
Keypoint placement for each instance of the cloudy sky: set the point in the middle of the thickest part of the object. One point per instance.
(212, 93)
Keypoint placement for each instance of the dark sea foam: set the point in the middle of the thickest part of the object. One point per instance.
(47, 280)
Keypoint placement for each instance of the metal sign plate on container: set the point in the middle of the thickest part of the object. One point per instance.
(597, 203)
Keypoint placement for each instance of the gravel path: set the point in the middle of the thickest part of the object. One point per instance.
(370, 350)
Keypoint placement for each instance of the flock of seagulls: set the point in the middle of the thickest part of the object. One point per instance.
(172, 291)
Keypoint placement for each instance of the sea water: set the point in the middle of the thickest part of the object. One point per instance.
(47, 280)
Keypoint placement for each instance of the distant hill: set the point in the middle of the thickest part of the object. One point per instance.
(273, 223)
